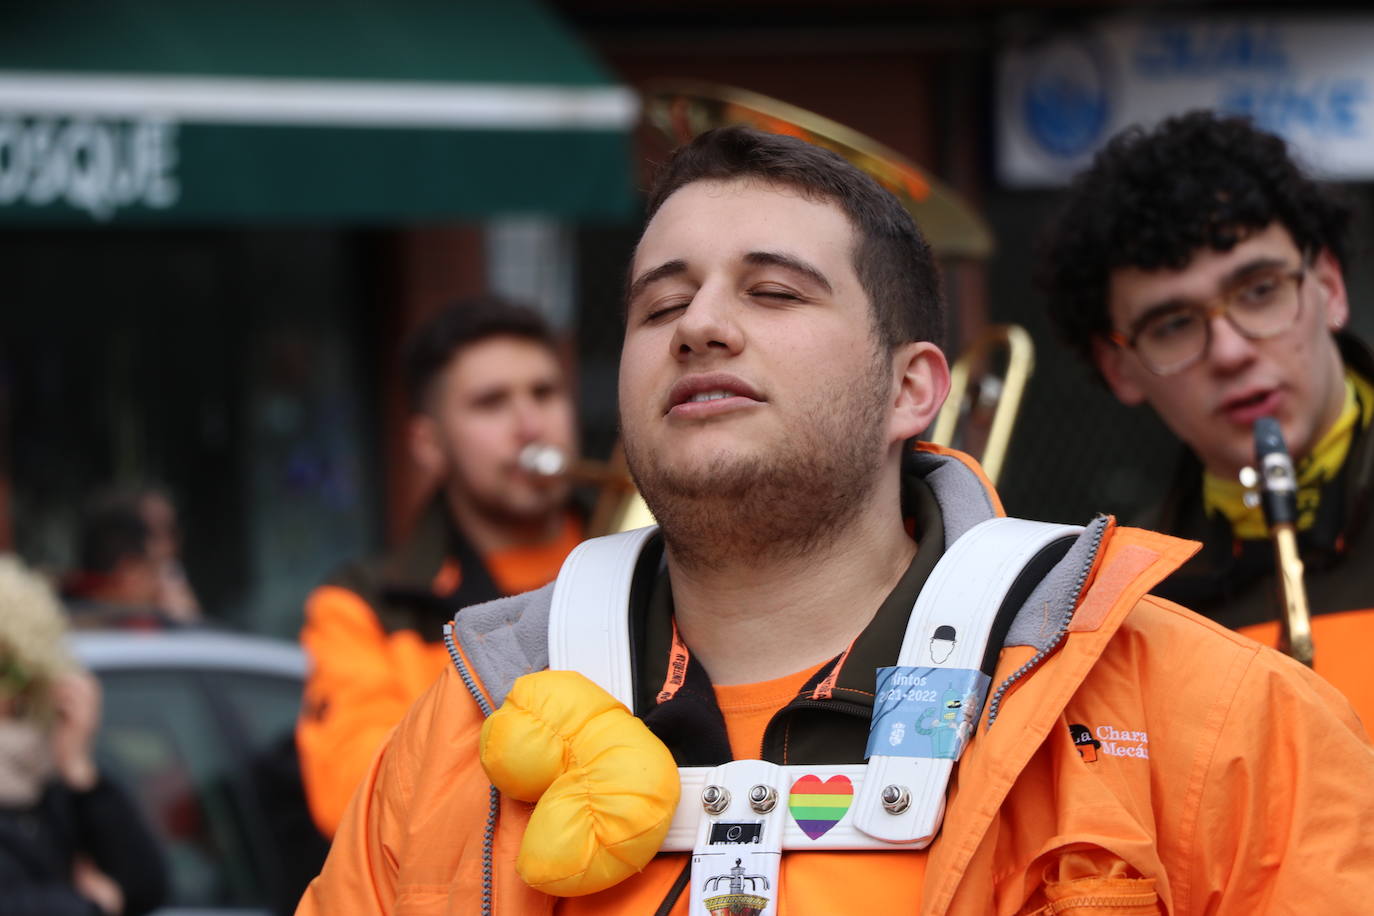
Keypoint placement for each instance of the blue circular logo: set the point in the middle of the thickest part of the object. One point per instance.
(1064, 101)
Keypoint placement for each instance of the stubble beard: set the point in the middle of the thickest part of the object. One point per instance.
(779, 506)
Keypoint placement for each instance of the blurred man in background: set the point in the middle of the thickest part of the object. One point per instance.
(1201, 272)
(485, 381)
(116, 583)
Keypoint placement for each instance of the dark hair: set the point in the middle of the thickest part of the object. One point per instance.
(112, 529)
(1152, 199)
(434, 343)
(891, 258)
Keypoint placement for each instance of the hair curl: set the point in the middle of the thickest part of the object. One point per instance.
(1152, 199)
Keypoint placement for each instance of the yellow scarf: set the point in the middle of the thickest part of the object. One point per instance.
(1247, 523)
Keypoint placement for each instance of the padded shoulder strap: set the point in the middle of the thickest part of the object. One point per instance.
(589, 629)
(589, 617)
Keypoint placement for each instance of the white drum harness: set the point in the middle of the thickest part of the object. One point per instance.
(739, 817)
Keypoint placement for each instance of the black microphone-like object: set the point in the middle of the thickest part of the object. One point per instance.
(1279, 499)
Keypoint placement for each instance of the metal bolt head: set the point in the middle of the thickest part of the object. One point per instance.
(896, 799)
(763, 798)
(715, 799)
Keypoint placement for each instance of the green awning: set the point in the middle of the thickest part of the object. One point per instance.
(160, 111)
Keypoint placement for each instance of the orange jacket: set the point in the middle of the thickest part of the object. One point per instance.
(1153, 763)
(362, 680)
(373, 635)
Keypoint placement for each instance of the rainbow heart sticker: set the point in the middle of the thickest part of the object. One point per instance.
(817, 806)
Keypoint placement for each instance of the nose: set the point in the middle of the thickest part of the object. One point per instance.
(531, 419)
(1229, 349)
(708, 325)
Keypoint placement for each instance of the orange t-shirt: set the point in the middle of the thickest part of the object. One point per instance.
(525, 568)
(748, 708)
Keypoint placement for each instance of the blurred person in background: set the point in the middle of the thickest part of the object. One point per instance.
(174, 596)
(484, 380)
(71, 842)
(117, 580)
(1200, 271)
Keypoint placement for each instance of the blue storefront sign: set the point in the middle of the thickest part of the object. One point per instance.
(1062, 95)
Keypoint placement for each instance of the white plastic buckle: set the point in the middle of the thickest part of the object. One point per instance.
(739, 838)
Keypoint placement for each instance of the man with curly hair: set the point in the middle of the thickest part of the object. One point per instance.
(1199, 270)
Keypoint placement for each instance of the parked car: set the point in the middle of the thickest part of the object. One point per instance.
(199, 726)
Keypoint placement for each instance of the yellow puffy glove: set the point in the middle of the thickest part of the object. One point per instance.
(606, 787)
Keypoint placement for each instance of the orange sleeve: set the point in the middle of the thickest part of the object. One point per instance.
(1285, 809)
(362, 874)
(1342, 642)
(361, 682)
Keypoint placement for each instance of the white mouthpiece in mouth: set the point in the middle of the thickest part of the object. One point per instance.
(544, 460)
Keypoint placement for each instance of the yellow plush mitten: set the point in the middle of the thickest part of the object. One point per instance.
(605, 786)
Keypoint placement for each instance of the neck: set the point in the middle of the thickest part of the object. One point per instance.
(755, 618)
(488, 532)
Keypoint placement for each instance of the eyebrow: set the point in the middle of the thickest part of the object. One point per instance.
(1228, 282)
(666, 269)
(678, 266)
(787, 262)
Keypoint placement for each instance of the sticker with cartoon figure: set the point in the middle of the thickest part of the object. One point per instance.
(925, 712)
(942, 643)
(741, 895)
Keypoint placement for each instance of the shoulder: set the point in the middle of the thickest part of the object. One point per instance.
(347, 599)
(361, 575)
(1221, 687)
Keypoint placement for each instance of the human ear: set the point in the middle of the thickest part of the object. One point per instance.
(1110, 361)
(426, 449)
(922, 384)
(1326, 271)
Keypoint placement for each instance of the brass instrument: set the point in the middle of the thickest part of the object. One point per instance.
(683, 109)
(1278, 495)
(619, 507)
(980, 412)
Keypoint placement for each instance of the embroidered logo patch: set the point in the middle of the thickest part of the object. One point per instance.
(1109, 741)
(817, 806)
(1085, 742)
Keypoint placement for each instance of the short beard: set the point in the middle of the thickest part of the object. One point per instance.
(778, 507)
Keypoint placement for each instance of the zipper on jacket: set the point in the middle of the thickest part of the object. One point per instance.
(1097, 902)
(995, 701)
(494, 798)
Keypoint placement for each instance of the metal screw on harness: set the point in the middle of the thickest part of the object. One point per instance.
(896, 799)
(715, 799)
(763, 798)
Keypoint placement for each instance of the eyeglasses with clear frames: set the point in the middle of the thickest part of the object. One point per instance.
(1263, 303)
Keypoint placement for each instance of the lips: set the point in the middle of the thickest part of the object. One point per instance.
(1248, 406)
(710, 393)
